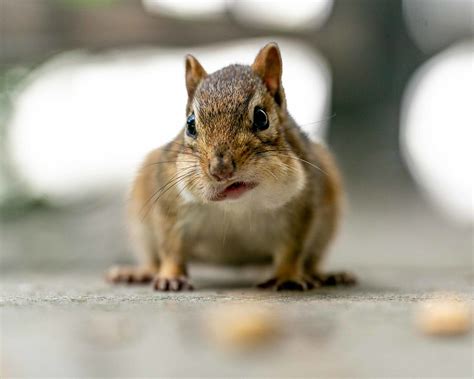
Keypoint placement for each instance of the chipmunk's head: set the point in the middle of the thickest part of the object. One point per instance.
(235, 149)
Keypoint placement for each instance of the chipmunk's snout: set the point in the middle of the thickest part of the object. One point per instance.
(222, 166)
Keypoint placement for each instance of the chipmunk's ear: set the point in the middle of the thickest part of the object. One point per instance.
(268, 66)
(194, 74)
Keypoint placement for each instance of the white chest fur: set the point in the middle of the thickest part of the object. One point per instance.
(215, 233)
(242, 230)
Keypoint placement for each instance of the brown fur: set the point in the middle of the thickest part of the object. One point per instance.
(290, 216)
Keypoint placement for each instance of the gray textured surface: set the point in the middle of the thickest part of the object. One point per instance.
(76, 325)
(59, 319)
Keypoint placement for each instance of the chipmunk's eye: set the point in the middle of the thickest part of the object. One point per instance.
(191, 126)
(260, 119)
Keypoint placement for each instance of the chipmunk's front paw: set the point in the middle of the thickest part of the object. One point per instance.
(287, 284)
(180, 283)
(130, 274)
(334, 279)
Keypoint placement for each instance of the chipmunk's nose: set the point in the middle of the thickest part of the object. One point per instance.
(221, 166)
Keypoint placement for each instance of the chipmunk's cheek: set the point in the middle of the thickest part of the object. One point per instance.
(187, 193)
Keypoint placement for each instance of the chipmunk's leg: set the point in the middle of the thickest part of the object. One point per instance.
(289, 260)
(144, 244)
(325, 223)
(172, 275)
(319, 239)
(332, 278)
(289, 272)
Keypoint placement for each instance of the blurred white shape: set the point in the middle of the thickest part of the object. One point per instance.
(186, 8)
(435, 24)
(84, 122)
(273, 14)
(282, 14)
(437, 130)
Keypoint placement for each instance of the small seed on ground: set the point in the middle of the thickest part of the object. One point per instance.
(444, 316)
(243, 326)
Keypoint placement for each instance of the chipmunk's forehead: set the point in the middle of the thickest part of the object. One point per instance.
(228, 90)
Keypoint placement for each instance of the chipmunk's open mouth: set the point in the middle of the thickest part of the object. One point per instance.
(234, 191)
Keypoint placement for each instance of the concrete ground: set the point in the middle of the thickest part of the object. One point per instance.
(60, 319)
(76, 325)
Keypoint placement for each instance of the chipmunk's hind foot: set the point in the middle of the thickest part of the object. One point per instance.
(172, 284)
(288, 284)
(331, 279)
(130, 274)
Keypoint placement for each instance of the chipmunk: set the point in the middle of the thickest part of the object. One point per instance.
(240, 183)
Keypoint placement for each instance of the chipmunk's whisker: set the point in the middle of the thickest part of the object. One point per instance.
(308, 163)
(157, 191)
(194, 154)
(188, 185)
(182, 145)
(178, 180)
(268, 171)
(162, 162)
(315, 122)
(277, 153)
(178, 143)
(169, 186)
(173, 181)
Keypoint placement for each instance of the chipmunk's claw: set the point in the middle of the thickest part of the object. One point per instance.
(267, 283)
(334, 279)
(288, 284)
(172, 284)
(130, 275)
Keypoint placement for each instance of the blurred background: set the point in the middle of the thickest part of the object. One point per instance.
(87, 87)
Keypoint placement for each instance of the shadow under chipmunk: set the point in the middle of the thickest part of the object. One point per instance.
(240, 169)
(132, 275)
